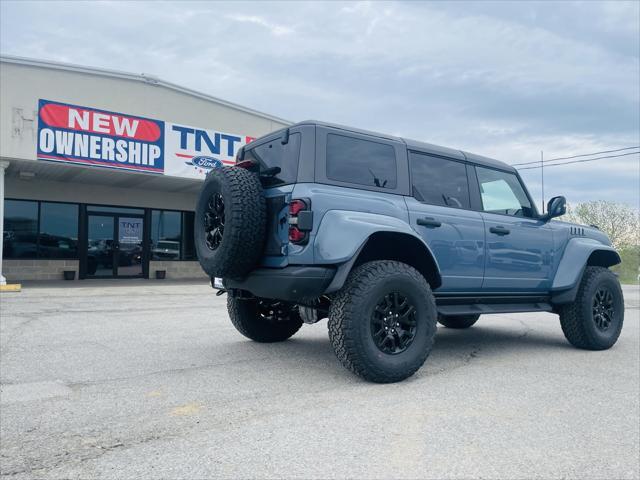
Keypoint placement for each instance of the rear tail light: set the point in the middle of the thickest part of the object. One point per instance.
(247, 164)
(296, 235)
(296, 206)
(300, 221)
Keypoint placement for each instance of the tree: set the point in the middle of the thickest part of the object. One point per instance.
(618, 220)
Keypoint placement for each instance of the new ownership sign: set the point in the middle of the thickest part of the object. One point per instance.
(74, 134)
(89, 136)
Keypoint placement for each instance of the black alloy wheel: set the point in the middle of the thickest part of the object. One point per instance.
(275, 311)
(393, 323)
(264, 320)
(603, 309)
(214, 221)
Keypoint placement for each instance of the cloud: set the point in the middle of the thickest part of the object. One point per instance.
(502, 79)
(274, 29)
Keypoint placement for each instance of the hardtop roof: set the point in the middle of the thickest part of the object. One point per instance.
(419, 146)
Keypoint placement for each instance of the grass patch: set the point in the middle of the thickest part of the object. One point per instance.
(628, 270)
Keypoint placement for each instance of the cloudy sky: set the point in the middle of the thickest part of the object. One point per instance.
(501, 79)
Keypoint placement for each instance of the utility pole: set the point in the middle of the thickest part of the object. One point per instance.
(542, 176)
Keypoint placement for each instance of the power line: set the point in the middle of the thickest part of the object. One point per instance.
(578, 161)
(574, 156)
(590, 154)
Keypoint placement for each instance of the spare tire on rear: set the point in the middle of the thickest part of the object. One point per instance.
(230, 222)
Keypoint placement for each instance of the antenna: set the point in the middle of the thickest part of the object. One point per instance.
(542, 176)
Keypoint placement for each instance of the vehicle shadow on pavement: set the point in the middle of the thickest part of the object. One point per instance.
(491, 338)
(452, 349)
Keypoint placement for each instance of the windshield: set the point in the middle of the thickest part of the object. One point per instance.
(274, 154)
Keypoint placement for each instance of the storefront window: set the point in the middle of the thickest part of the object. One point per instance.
(189, 246)
(20, 229)
(58, 230)
(50, 230)
(166, 235)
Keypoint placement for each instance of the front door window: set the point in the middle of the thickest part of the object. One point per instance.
(502, 193)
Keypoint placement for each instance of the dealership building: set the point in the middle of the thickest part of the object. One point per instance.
(100, 170)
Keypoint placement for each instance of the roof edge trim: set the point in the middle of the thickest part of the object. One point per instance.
(145, 78)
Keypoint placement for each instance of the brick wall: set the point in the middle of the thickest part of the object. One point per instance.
(18, 270)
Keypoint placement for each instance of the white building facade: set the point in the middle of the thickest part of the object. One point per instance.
(100, 170)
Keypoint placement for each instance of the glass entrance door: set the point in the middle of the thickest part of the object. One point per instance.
(114, 245)
(100, 243)
(129, 247)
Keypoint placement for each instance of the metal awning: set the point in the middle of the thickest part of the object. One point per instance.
(69, 173)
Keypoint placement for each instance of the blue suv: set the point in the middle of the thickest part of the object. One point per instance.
(386, 237)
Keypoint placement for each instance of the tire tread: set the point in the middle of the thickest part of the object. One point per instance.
(572, 315)
(245, 224)
(343, 314)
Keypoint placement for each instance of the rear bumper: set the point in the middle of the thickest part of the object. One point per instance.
(292, 283)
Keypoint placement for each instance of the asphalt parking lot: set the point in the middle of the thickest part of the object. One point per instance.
(140, 379)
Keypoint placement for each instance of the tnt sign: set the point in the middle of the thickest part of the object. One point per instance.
(192, 152)
(130, 230)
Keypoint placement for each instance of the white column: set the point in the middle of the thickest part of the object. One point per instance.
(3, 167)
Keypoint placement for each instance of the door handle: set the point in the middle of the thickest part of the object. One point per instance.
(429, 222)
(499, 230)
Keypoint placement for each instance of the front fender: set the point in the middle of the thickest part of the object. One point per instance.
(341, 233)
(575, 258)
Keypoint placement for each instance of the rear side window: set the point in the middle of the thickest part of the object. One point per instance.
(363, 162)
(275, 154)
(438, 181)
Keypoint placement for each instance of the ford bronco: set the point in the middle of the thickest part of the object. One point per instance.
(386, 237)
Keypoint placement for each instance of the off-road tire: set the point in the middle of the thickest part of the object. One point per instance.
(577, 319)
(458, 321)
(350, 321)
(246, 316)
(244, 222)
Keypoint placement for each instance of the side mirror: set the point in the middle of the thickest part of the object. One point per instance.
(556, 207)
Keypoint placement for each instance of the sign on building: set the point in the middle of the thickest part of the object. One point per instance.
(89, 136)
(192, 151)
(85, 135)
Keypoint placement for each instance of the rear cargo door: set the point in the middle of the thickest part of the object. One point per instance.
(279, 155)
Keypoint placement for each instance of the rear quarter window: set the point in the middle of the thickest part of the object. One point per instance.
(363, 162)
(274, 154)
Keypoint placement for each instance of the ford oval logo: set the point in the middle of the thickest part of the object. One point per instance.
(206, 162)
